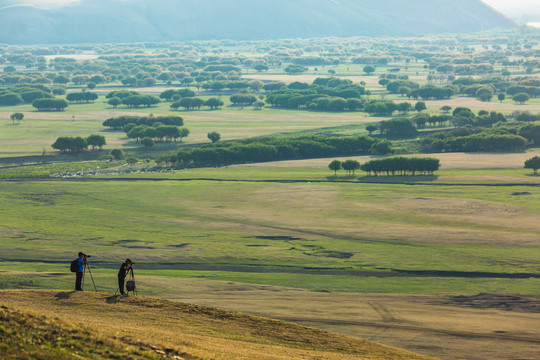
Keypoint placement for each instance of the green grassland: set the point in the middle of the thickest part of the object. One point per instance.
(40, 129)
(286, 231)
(276, 226)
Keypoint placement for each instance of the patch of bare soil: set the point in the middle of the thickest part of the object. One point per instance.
(508, 302)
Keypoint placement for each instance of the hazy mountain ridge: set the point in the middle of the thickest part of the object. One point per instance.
(162, 20)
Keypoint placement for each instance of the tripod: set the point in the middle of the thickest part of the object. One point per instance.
(130, 284)
(87, 266)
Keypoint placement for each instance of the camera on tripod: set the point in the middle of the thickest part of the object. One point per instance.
(87, 255)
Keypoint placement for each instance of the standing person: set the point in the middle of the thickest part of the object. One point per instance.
(124, 268)
(81, 262)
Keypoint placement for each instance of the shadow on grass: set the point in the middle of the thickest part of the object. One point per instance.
(64, 295)
(397, 179)
(341, 178)
(113, 299)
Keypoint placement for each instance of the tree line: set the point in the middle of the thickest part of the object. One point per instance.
(118, 122)
(23, 94)
(84, 96)
(76, 144)
(273, 149)
(401, 166)
(50, 104)
(471, 140)
(192, 103)
(322, 94)
(158, 133)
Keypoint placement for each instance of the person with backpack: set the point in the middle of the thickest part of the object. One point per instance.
(78, 265)
(124, 268)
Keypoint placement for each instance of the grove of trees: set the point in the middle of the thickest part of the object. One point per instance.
(401, 166)
(50, 104)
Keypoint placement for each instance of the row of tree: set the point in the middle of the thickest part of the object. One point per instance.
(76, 144)
(175, 94)
(350, 166)
(502, 136)
(192, 103)
(387, 107)
(23, 93)
(401, 166)
(118, 122)
(160, 133)
(474, 143)
(50, 104)
(84, 96)
(319, 97)
(273, 149)
(135, 101)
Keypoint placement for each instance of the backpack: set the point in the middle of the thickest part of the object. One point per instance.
(130, 285)
(74, 265)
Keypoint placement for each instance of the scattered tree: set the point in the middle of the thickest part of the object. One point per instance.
(214, 136)
(131, 161)
(295, 69)
(335, 166)
(261, 67)
(521, 97)
(114, 102)
(533, 163)
(420, 106)
(446, 109)
(369, 69)
(96, 141)
(117, 154)
(16, 117)
(371, 128)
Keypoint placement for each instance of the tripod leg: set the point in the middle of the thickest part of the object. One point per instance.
(91, 277)
(133, 278)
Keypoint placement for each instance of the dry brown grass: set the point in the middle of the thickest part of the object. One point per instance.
(78, 57)
(476, 105)
(449, 161)
(423, 324)
(320, 211)
(197, 330)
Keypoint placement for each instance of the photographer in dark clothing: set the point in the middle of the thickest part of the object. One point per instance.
(124, 268)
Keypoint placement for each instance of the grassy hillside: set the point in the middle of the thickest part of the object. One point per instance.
(119, 21)
(28, 335)
(105, 326)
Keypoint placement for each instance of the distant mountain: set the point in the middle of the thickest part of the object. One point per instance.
(164, 20)
(522, 11)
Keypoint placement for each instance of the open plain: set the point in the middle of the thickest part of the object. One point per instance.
(445, 265)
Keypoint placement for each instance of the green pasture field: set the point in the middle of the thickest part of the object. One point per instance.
(40, 129)
(256, 228)
(34, 135)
